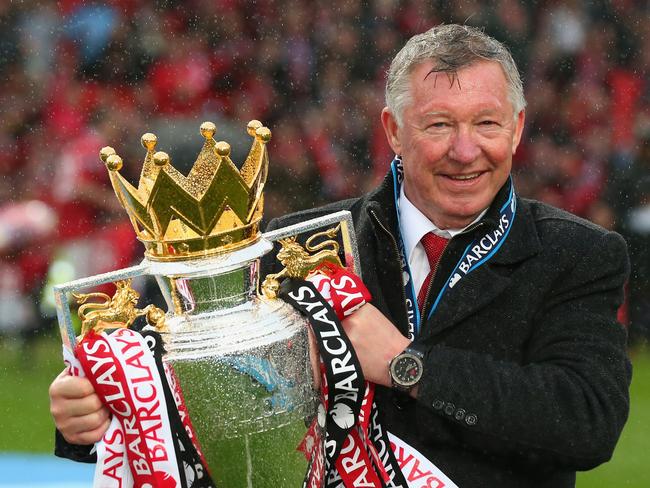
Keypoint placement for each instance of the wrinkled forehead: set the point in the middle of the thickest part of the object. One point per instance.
(483, 77)
(477, 70)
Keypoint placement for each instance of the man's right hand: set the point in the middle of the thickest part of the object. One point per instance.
(78, 412)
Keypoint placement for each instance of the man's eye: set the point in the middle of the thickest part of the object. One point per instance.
(488, 122)
(438, 125)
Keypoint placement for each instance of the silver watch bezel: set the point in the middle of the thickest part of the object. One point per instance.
(408, 353)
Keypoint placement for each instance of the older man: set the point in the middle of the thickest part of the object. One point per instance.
(492, 333)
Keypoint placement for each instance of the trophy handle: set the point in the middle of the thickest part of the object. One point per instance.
(348, 236)
(62, 300)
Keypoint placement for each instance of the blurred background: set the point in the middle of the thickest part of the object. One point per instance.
(77, 75)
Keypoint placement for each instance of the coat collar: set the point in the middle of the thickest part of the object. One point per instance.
(479, 288)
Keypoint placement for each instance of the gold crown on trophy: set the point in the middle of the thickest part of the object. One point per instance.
(215, 208)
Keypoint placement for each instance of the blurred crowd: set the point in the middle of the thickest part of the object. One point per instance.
(79, 74)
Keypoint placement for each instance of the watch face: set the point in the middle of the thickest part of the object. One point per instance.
(406, 369)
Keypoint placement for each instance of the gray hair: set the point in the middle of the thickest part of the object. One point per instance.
(451, 47)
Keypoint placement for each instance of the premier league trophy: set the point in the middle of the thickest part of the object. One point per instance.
(235, 369)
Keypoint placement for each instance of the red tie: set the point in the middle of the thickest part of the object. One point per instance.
(434, 245)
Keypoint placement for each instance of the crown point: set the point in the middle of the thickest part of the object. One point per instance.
(252, 126)
(223, 148)
(208, 130)
(264, 133)
(105, 152)
(149, 141)
(161, 158)
(114, 162)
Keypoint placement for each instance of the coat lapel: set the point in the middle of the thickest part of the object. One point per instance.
(484, 285)
(386, 283)
(475, 291)
(375, 219)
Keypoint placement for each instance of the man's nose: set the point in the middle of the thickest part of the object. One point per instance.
(463, 147)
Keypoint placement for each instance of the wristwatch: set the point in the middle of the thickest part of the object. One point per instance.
(405, 369)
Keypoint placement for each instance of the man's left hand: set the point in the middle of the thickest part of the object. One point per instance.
(375, 340)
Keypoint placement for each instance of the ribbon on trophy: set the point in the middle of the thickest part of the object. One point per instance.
(150, 440)
(356, 449)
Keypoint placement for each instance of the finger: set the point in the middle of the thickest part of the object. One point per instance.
(56, 384)
(85, 423)
(68, 386)
(76, 407)
(63, 373)
(79, 407)
(87, 437)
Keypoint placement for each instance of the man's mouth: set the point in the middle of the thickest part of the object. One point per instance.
(466, 177)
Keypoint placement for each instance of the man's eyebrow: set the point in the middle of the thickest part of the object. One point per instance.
(488, 111)
(437, 113)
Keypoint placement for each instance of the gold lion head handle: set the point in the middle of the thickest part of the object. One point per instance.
(117, 311)
(297, 260)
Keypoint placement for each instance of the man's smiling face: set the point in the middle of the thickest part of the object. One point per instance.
(458, 134)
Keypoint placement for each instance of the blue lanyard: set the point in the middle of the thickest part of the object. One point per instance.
(412, 309)
(478, 252)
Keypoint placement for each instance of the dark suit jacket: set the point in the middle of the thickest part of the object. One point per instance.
(526, 373)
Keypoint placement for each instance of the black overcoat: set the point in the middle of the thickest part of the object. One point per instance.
(526, 373)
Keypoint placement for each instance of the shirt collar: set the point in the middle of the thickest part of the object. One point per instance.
(414, 224)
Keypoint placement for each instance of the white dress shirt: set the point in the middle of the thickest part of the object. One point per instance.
(414, 225)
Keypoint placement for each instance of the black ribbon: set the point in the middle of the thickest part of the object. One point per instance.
(345, 381)
(379, 437)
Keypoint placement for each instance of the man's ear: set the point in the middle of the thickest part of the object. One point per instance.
(519, 128)
(392, 130)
